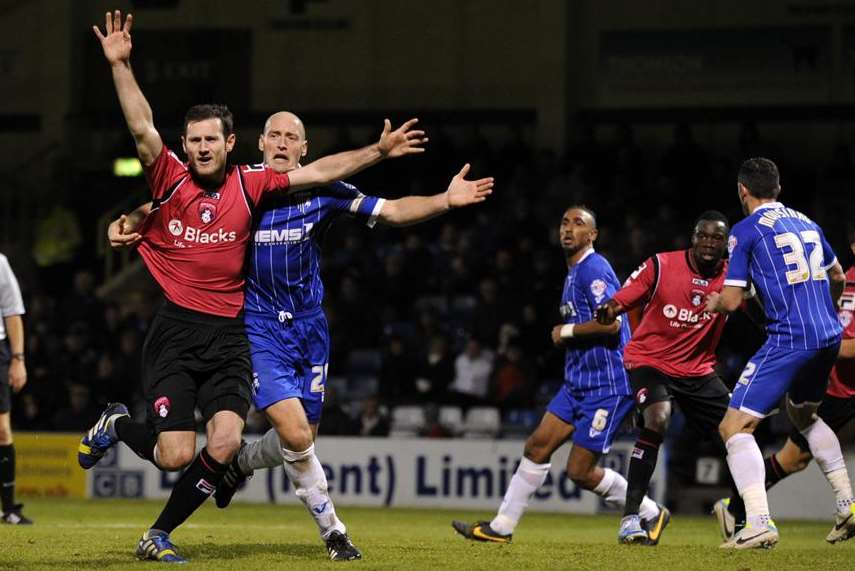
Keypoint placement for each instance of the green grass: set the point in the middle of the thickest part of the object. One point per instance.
(102, 534)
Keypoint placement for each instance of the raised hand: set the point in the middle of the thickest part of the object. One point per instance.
(401, 141)
(116, 43)
(121, 234)
(462, 192)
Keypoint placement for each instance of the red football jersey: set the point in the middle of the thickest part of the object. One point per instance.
(194, 240)
(842, 381)
(675, 336)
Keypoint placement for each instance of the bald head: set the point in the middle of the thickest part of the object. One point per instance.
(285, 120)
(283, 141)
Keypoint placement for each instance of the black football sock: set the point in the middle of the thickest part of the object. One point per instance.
(138, 436)
(774, 471)
(7, 476)
(194, 487)
(641, 466)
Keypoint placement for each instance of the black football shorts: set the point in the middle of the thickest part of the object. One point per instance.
(191, 360)
(703, 400)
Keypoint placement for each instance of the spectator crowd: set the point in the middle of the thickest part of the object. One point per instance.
(455, 311)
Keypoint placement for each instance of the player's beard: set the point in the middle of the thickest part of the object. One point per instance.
(575, 247)
(210, 180)
(743, 201)
(708, 268)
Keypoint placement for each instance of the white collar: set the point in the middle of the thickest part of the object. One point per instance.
(769, 205)
(585, 255)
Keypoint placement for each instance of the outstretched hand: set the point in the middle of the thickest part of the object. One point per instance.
(402, 141)
(462, 192)
(116, 43)
(121, 234)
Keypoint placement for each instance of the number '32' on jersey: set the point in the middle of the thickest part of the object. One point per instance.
(786, 256)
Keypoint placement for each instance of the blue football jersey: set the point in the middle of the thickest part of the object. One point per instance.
(593, 365)
(785, 255)
(283, 264)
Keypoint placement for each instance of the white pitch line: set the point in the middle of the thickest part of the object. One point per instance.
(125, 525)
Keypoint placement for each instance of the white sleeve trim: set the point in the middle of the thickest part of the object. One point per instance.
(372, 220)
(737, 283)
(829, 266)
(355, 203)
(754, 413)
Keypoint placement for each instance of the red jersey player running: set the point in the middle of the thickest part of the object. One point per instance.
(196, 352)
(837, 410)
(671, 354)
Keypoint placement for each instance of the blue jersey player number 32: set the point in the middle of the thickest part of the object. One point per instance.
(783, 254)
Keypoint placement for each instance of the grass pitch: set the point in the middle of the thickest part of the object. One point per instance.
(103, 534)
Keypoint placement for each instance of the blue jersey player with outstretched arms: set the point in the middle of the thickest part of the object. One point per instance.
(591, 403)
(785, 256)
(286, 326)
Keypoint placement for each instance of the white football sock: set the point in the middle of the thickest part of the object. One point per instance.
(266, 452)
(612, 488)
(527, 479)
(749, 474)
(310, 483)
(825, 448)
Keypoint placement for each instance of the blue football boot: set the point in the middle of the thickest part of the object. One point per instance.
(156, 546)
(100, 437)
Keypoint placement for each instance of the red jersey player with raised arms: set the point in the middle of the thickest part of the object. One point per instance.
(671, 354)
(196, 352)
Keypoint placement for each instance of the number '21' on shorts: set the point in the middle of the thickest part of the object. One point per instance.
(290, 360)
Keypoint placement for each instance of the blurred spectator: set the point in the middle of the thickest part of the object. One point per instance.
(418, 265)
(81, 304)
(436, 370)
(372, 421)
(433, 428)
(512, 386)
(336, 421)
(472, 370)
(411, 294)
(397, 373)
(357, 320)
(488, 314)
(29, 414)
(80, 413)
(394, 286)
(79, 358)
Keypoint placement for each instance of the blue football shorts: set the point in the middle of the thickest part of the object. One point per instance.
(290, 359)
(596, 418)
(775, 371)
